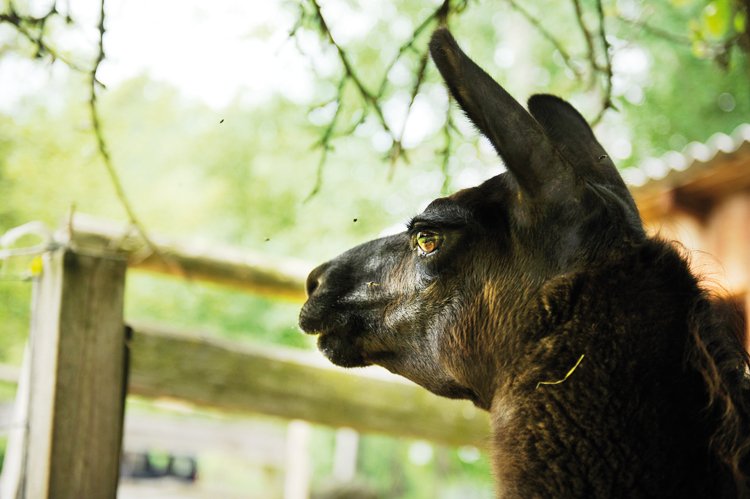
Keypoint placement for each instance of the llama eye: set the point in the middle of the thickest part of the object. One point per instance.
(428, 242)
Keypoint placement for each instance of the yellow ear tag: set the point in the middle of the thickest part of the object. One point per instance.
(36, 266)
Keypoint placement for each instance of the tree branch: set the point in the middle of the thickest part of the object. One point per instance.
(445, 152)
(656, 31)
(107, 158)
(440, 15)
(597, 68)
(589, 39)
(325, 141)
(33, 29)
(544, 32)
(368, 97)
(607, 69)
(717, 50)
(397, 148)
(372, 100)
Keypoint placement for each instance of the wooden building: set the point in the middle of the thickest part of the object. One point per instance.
(701, 198)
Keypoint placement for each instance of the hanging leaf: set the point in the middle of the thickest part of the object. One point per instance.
(740, 22)
(717, 17)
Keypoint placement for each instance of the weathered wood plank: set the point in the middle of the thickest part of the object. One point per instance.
(13, 419)
(77, 382)
(289, 384)
(240, 269)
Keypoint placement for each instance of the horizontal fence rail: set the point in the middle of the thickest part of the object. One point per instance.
(240, 269)
(296, 385)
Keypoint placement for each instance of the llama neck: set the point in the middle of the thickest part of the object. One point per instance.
(629, 404)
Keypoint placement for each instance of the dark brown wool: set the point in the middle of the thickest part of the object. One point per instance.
(608, 371)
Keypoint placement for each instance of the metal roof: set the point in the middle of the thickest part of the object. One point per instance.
(696, 155)
(695, 178)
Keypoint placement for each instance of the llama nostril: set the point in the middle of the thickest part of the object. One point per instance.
(315, 279)
(312, 284)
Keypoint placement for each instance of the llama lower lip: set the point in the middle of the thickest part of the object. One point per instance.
(340, 350)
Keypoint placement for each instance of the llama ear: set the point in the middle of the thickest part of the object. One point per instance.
(519, 140)
(575, 141)
(568, 130)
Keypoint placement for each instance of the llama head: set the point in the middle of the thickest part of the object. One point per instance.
(443, 302)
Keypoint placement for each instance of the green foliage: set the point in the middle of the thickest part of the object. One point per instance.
(7, 214)
(687, 98)
(407, 469)
(240, 175)
(716, 18)
(187, 306)
(14, 317)
(419, 470)
(7, 391)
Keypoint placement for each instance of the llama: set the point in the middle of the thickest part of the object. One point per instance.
(607, 370)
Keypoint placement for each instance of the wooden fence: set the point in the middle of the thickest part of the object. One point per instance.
(80, 350)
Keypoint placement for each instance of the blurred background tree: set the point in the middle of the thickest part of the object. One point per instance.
(300, 128)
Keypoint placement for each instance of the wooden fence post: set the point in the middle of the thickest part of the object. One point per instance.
(78, 373)
(298, 465)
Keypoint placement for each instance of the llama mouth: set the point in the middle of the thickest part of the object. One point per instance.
(342, 349)
(342, 339)
(347, 349)
(316, 320)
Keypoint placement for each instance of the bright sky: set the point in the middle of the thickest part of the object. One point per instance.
(210, 50)
(213, 51)
(227, 51)
(220, 52)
